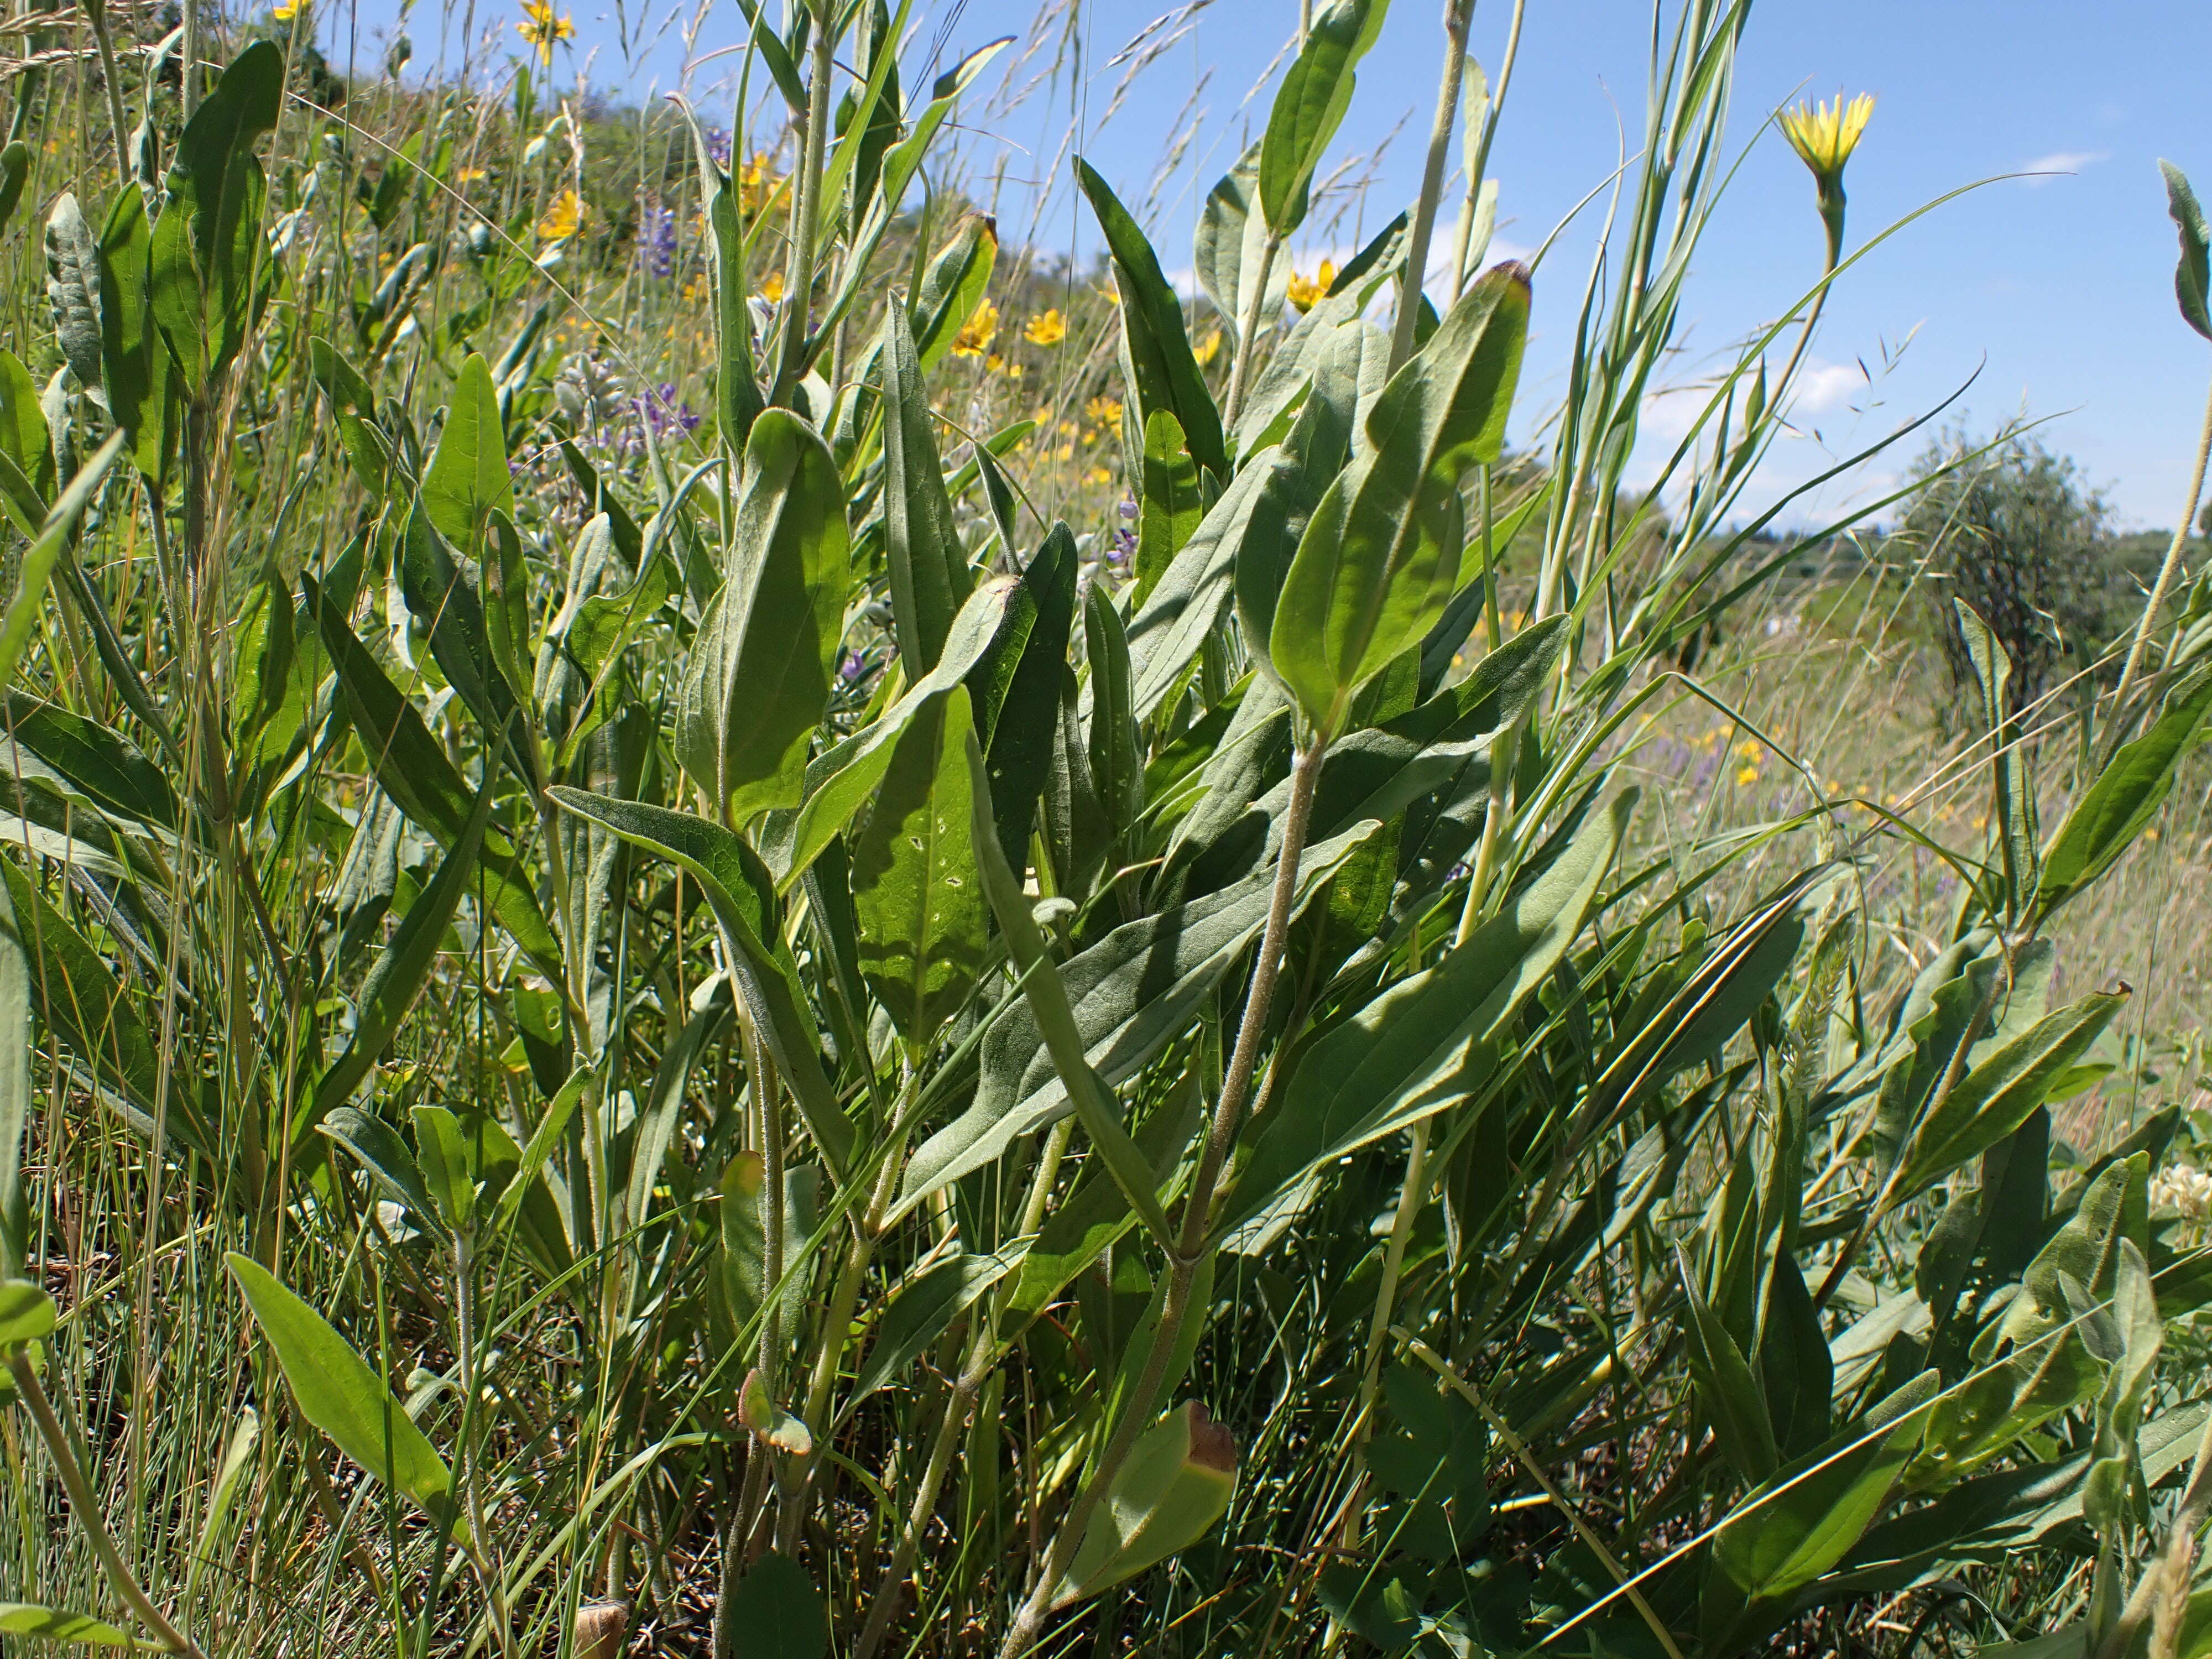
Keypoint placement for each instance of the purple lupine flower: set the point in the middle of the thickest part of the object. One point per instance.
(659, 241)
(718, 146)
(1123, 549)
(1127, 510)
(851, 670)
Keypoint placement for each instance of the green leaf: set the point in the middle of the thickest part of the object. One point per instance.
(24, 438)
(1728, 1390)
(2086, 1249)
(16, 955)
(207, 244)
(1229, 246)
(776, 1612)
(1429, 1041)
(135, 364)
(922, 1310)
(448, 1170)
(1380, 558)
(15, 169)
(51, 1624)
(929, 574)
(106, 765)
(1789, 1531)
(467, 480)
(739, 890)
(1173, 1488)
(2192, 276)
(339, 1395)
(1169, 505)
(1116, 746)
(1154, 338)
(737, 393)
(1019, 756)
(2127, 794)
(237, 1455)
(952, 286)
(353, 406)
(401, 970)
(27, 1313)
(80, 1001)
(47, 549)
(761, 664)
(73, 289)
(1996, 1095)
(1310, 104)
(384, 1156)
(840, 781)
(1129, 996)
(412, 768)
(914, 882)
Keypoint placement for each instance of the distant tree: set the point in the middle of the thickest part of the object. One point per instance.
(2023, 538)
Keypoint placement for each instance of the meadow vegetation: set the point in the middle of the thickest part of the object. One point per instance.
(743, 920)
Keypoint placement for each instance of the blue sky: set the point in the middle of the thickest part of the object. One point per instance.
(2058, 288)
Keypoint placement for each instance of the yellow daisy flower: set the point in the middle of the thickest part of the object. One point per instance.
(1305, 294)
(562, 218)
(545, 28)
(975, 334)
(1047, 328)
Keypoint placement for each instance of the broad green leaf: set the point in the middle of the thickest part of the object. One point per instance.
(14, 170)
(2192, 276)
(761, 664)
(401, 970)
(467, 480)
(738, 890)
(1185, 605)
(1310, 104)
(1997, 1404)
(341, 1396)
(922, 1310)
(46, 1623)
(24, 437)
(1379, 558)
(929, 577)
(914, 882)
(2086, 1249)
(106, 765)
(840, 781)
(73, 290)
(1174, 1487)
(27, 1313)
(1019, 754)
(737, 393)
(1728, 1390)
(2120, 805)
(353, 406)
(135, 364)
(777, 1614)
(1168, 506)
(448, 1170)
(412, 768)
(1996, 1097)
(953, 287)
(1229, 246)
(1157, 343)
(1789, 1531)
(2012, 800)
(1130, 995)
(1115, 747)
(384, 1156)
(47, 548)
(79, 999)
(1429, 1041)
(207, 245)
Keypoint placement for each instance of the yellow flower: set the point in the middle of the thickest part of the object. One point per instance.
(976, 334)
(753, 183)
(1825, 134)
(1098, 475)
(1106, 411)
(772, 287)
(468, 175)
(562, 218)
(1208, 348)
(998, 365)
(285, 10)
(1748, 749)
(1047, 328)
(545, 29)
(1747, 774)
(1305, 294)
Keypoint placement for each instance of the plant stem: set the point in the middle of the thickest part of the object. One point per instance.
(1458, 16)
(1248, 332)
(2157, 600)
(806, 208)
(87, 1510)
(1480, 166)
(95, 12)
(1184, 1264)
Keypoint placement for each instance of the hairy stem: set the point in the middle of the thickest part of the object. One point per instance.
(1458, 16)
(1248, 332)
(806, 208)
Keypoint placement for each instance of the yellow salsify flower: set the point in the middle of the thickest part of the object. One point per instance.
(771, 287)
(1047, 328)
(562, 218)
(1824, 135)
(1106, 411)
(1208, 348)
(545, 28)
(1306, 294)
(976, 334)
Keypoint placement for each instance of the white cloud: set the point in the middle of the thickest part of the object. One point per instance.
(1823, 387)
(2059, 163)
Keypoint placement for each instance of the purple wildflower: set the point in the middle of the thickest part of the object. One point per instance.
(1127, 510)
(659, 241)
(718, 146)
